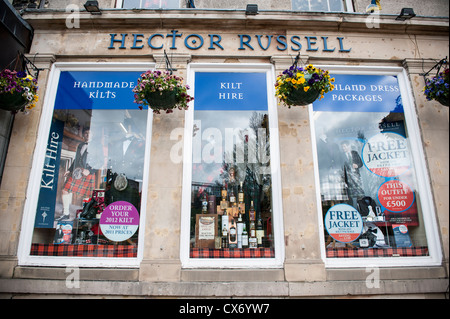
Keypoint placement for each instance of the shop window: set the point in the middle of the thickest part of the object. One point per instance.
(322, 5)
(89, 201)
(149, 4)
(372, 201)
(230, 210)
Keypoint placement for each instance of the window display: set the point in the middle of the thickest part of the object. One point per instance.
(89, 202)
(370, 201)
(231, 190)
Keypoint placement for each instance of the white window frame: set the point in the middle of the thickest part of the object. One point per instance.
(25, 241)
(348, 5)
(119, 4)
(277, 214)
(423, 180)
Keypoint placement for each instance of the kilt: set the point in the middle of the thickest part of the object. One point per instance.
(83, 186)
(332, 187)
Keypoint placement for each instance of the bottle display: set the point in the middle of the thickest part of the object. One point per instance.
(236, 178)
(259, 231)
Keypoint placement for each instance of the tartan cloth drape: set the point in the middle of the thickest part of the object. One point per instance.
(84, 250)
(376, 252)
(232, 253)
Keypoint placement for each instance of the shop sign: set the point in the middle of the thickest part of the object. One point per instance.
(175, 39)
(119, 221)
(96, 90)
(362, 93)
(45, 213)
(343, 223)
(226, 91)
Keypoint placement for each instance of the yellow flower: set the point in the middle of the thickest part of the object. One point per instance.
(288, 80)
(332, 80)
(306, 88)
(29, 77)
(294, 81)
(299, 74)
(301, 81)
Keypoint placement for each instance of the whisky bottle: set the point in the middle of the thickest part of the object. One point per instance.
(233, 234)
(224, 192)
(259, 230)
(241, 193)
(204, 204)
(244, 237)
(240, 229)
(232, 196)
(224, 221)
(252, 241)
(224, 237)
(252, 212)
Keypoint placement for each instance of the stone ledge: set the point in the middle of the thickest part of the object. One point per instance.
(86, 274)
(224, 289)
(232, 275)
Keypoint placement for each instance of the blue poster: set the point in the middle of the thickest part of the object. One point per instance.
(96, 90)
(362, 93)
(45, 213)
(226, 91)
(401, 235)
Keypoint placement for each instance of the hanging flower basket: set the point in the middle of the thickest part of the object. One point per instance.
(299, 86)
(12, 101)
(162, 100)
(438, 88)
(18, 91)
(160, 90)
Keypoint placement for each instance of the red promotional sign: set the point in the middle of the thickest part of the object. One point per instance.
(395, 196)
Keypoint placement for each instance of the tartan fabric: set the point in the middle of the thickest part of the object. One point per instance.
(83, 186)
(122, 251)
(332, 187)
(409, 217)
(232, 253)
(376, 252)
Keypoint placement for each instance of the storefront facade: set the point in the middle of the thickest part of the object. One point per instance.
(345, 196)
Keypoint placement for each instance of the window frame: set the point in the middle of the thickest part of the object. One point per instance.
(420, 168)
(119, 5)
(29, 211)
(348, 4)
(277, 214)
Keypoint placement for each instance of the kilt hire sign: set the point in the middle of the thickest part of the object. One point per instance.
(119, 221)
(343, 223)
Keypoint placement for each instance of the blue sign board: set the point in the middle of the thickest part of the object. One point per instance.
(45, 213)
(362, 93)
(96, 90)
(227, 91)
